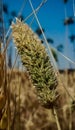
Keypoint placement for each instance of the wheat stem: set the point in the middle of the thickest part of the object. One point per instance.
(56, 118)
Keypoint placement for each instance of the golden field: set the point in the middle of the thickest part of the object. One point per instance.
(28, 114)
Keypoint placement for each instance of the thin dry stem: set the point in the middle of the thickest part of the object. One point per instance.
(56, 118)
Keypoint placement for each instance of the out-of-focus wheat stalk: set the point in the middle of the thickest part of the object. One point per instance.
(3, 108)
(1, 69)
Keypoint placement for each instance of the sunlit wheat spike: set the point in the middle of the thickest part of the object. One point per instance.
(35, 58)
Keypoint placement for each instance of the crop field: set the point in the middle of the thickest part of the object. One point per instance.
(23, 110)
(37, 65)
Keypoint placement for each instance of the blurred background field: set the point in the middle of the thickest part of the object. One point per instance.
(28, 114)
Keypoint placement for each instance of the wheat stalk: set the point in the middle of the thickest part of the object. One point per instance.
(35, 58)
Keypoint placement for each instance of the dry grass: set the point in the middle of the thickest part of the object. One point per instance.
(26, 111)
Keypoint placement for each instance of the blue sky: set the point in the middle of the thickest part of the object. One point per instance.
(51, 17)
